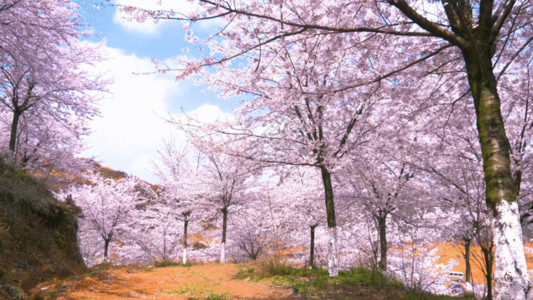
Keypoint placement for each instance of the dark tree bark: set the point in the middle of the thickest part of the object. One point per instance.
(18, 105)
(488, 259)
(468, 268)
(332, 223)
(476, 28)
(383, 245)
(477, 41)
(13, 137)
(107, 240)
(185, 225)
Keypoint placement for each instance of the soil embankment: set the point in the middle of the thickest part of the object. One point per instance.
(38, 235)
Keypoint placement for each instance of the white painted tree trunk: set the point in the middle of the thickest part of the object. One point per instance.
(511, 279)
(333, 254)
(222, 253)
(184, 257)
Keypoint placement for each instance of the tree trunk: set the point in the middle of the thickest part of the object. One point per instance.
(223, 252)
(185, 226)
(488, 258)
(13, 137)
(511, 280)
(382, 227)
(333, 254)
(477, 42)
(223, 242)
(106, 248)
(312, 248)
(468, 268)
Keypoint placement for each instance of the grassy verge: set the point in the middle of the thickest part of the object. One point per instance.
(171, 263)
(195, 291)
(357, 283)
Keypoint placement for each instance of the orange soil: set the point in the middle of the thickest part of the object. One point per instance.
(199, 281)
(165, 283)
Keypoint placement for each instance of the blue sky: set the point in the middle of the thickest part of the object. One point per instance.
(132, 126)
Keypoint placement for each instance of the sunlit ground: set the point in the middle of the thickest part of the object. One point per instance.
(211, 281)
(214, 281)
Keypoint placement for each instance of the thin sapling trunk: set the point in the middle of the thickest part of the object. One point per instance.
(312, 247)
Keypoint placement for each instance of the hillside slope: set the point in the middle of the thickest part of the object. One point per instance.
(38, 235)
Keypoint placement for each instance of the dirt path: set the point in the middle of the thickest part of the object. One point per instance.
(207, 281)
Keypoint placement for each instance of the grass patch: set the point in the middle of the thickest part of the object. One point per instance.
(356, 283)
(374, 278)
(99, 270)
(170, 263)
(197, 291)
(7, 291)
(166, 263)
(53, 294)
(261, 270)
(426, 296)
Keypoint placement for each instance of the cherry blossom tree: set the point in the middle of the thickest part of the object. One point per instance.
(468, 212)
(201, 182)
(224, 180)
(45, 77)
(383, 193)
(253, 228)
(179, 180)
(186, 218)
(252, 242)
(451, 156)
(415, 261)
(48, 150)
(295, 209)
(105, 207)
(517, 117)
(155, 225)
(476, 43)
(296, 119)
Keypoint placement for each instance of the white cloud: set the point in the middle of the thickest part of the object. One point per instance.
(208, 113)
(142, 166)
(133, 122)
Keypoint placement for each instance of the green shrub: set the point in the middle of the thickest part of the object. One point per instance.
(99, 269)
(199, 246)
(165, 263)
(372, 277)
(275, 269)
(13, 292)
(216, 296)
(21, 175)
(170, 263)
(53, 294)
(245, 272)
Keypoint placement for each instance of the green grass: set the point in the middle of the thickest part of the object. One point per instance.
(197, 291)
(98, 270)
(371, 277)
(356, 283)
(53, 294)
(8, 291)
(170, 263)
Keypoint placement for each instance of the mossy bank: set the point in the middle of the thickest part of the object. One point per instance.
(37, 235)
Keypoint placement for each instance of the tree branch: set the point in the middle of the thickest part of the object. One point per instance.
(427, 25)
